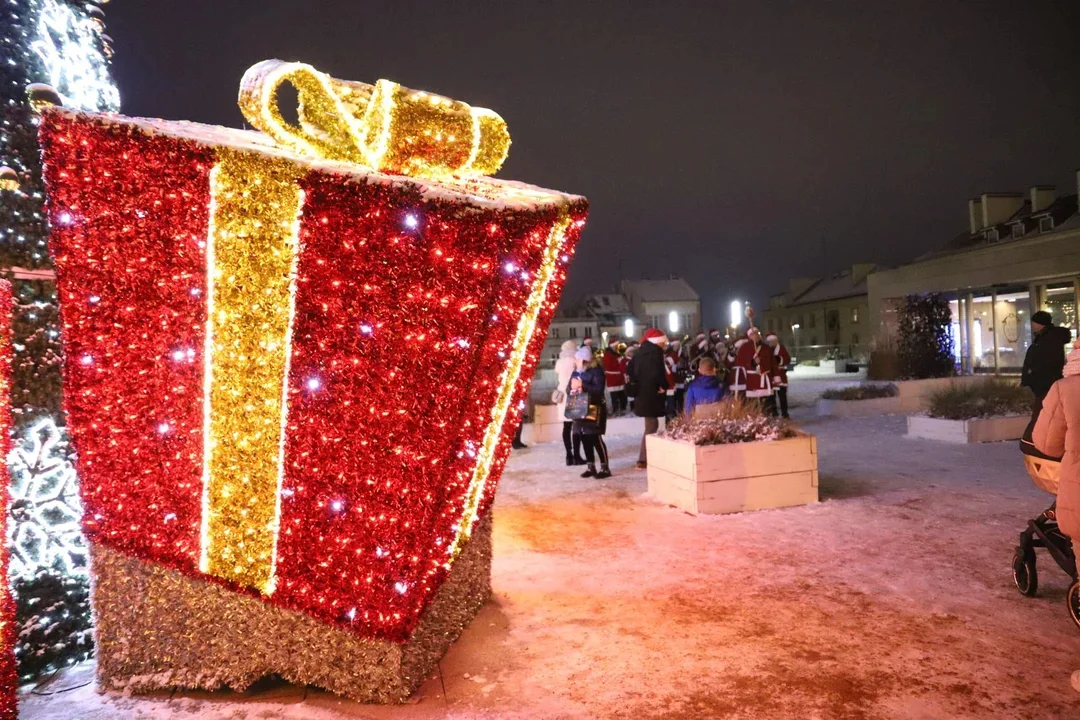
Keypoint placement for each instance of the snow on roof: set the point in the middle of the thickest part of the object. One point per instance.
(482, 191)
(605, 303)
(836, 287)
(671, 290)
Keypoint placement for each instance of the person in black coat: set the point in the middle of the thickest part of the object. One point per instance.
(1045, 359)
(649, 375)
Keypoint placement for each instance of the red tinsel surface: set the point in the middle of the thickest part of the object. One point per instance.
(9, 680)
(406, 310)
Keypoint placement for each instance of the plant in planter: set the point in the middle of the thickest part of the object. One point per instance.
(993, 398)
(860, 392)
(734, 459)
(731, 421)
(989, 411)
(860, 401)
(925, 347)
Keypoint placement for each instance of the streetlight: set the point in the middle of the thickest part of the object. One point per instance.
(736, 313)
(795, 329)
(628, 327)
(673, 322)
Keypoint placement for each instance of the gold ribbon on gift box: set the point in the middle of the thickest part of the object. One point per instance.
(384, 126)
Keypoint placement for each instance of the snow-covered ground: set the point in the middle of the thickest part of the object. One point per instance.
(892, 598)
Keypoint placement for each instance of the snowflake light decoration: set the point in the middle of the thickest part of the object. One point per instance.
(44, 530)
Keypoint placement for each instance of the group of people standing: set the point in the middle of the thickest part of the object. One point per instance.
(661, 378)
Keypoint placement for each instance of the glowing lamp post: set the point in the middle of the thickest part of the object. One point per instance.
(628, 327)
(795, 330)
(736, 314)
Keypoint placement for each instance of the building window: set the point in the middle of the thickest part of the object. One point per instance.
(855, 315)
(813, 340)
(588, 332)
(813, 322)
(673, 321)
(854, 338)
(573, 332)
(1046, 224)
(555, 333)
(832, 322)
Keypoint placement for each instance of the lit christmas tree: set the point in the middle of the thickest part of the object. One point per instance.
(57, 53)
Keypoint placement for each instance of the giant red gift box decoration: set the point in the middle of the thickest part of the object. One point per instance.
(292, 377)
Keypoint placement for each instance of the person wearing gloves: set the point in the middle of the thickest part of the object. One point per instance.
(564, 369)
(648, 373)
(588, 378)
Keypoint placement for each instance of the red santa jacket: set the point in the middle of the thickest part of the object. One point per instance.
(614, 369)
(783, 361)
(754, 363)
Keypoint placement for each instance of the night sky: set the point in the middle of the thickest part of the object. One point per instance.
(734, 143)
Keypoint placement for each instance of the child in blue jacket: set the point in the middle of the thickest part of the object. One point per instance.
(706, 387)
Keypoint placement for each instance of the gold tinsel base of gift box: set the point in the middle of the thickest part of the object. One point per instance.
(160, 629)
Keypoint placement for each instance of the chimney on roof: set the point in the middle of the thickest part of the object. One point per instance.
(860, 271)
(999, 207)
(1042, 197)
(797, 286)
(975, 215)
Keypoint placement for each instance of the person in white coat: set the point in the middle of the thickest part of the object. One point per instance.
(564, 368)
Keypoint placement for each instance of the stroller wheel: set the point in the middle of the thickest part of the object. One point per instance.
(1025, 575)
(1072, 599)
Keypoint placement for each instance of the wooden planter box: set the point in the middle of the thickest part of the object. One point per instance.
(858, 408)
(718, 479)
(977, 430)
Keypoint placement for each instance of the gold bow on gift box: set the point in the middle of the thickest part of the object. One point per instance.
(385, 126)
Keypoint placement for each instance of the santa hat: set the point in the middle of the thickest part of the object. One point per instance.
(771, 334)
(714, 331)
(584, 353)
(751, 330)
(654, 336)
(613, 341)
(701, 336)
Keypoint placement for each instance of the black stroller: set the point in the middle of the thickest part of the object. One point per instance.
(1043, 531)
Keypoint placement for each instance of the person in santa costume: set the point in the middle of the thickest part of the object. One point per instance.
(677, 366)
(697, 347)
(669, 369)
(615, 377)
(736, 373)
(753, 367)
(782, 360)
(648, 375)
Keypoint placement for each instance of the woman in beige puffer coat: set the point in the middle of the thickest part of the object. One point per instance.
(1057, 433)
